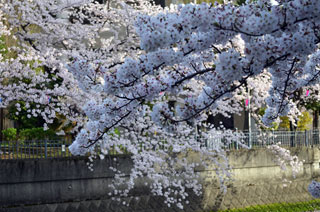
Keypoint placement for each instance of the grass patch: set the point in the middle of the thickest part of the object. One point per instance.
(280, 207)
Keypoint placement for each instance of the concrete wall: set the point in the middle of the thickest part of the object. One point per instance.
(67, 185)
(258, 180)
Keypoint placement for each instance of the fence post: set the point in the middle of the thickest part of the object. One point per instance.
(16, 156)
(45, 149)
(272, 136)
(318, 134)
(305, 138)
(310, 134)
(237, 143)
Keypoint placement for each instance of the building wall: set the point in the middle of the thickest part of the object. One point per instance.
(7, 122)
(241, 122)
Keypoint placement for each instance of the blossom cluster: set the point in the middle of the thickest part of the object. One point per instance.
(283, 157)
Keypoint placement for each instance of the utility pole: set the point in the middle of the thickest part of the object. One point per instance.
(249, 120)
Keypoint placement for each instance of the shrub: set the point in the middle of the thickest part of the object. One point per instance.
(10, 134)
(37, 134)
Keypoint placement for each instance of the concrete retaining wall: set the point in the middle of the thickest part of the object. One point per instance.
(60, 185)
(258, 180)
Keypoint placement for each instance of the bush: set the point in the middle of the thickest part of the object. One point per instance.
(10, 134)
(37, 134)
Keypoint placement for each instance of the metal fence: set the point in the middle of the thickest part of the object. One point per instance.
(256, 139)
(261, 139)
(34, 149)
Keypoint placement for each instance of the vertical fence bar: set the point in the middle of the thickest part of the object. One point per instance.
(33, 150)
(43, 153)
(35, 155)
(39, 144)
(9, 150)
(318, 136)
(15, 151)
(45, 149)
(65, 153)
(305, 138)
(13, 146)
(273, 136)
(21, 149)
(237, 143)
(312, 138)
(29, 150)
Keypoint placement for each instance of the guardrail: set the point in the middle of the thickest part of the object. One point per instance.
(256, 139)
(261, 139)
(34, 149)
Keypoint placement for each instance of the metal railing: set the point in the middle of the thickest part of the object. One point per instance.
(261, 139)
(257, 139)
(34, 149)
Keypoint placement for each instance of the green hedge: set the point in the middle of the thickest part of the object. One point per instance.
(280, 207)
(37, 134)
(10, 134)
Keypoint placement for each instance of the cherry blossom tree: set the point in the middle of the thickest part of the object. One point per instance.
(120, 89)
(63, 52)
(192, 53)
(170, 42)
